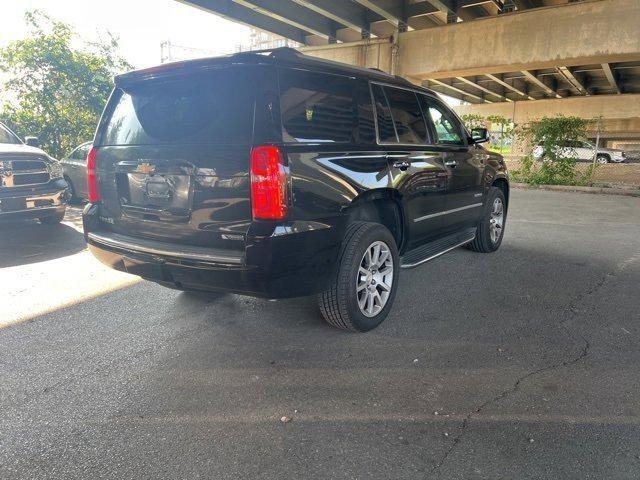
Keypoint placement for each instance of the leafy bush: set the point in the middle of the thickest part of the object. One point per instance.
(556, 166)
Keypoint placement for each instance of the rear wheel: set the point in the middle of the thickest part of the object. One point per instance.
(366, 283)
(491, 227)
(52, 219)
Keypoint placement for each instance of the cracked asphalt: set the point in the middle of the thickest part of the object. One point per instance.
(523, 364)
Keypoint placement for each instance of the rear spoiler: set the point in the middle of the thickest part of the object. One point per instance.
(187, 67)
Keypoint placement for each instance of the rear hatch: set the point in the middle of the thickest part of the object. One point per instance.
(173, 157)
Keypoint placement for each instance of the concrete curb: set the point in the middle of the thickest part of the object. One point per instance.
(570, 188)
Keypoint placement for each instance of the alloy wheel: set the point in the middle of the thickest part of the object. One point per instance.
(375, 279)
(496, 220)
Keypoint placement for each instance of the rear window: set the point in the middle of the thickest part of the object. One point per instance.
(407, 115)
(216, 107)
(316, 107)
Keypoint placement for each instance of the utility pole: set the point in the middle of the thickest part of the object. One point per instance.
(595, 156)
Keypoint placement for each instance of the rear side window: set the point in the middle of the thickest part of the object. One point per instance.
(214, 107)
(386, 130)
(407, 115)
(317, 107)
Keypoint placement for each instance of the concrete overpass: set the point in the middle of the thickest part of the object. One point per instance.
(522, 58)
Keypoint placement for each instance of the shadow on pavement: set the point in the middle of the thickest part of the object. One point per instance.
(30, 242)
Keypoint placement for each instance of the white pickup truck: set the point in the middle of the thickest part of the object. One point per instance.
(585, 152)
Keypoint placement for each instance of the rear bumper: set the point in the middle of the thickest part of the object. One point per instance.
(21, 204)
(289, 262)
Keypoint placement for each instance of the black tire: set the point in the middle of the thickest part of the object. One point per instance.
(71, 191)
(602, 158)
(52, 219)
(339, 304)
(483, 242)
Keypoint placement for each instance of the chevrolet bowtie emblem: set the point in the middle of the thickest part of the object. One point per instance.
(145, 168)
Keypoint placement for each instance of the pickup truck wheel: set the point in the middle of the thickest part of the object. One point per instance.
(366, 283)
(52, 219)
(71, 190)
(491, 227)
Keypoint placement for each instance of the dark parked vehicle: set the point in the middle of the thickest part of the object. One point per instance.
(278, 175)
(74, 168)
(31, 183)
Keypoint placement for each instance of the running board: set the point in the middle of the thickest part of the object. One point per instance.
(434, 249)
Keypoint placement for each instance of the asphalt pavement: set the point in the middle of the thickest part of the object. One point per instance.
(522, 364)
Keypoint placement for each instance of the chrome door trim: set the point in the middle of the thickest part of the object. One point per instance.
(446, 212)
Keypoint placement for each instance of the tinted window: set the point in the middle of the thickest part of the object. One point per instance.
(407, 115)
(216, 107)
(317, 107)
(7, 137)
(447, 128)
(386, 130)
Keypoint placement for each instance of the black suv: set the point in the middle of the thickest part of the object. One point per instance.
(276, 174)
(31, 183)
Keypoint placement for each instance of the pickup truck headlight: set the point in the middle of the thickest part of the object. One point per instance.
(55, 170)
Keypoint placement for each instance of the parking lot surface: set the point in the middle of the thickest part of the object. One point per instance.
(519, 364)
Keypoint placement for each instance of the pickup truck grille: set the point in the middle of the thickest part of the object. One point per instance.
(20, 172)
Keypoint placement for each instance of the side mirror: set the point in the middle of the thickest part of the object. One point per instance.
(32, 141)
(479, 135)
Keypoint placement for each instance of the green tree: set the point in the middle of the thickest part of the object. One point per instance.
(53, 89)
(558, 164)
(472, 120)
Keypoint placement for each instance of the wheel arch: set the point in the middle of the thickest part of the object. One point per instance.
(503, 185)
(382, 206)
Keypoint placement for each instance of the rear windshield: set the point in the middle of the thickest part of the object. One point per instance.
(214, 107)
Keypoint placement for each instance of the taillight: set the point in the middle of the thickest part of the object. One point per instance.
(268, 183)
(92, 175)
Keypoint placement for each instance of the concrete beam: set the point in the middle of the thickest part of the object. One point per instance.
(344, 13)
(513, 88)
(371, 53)
(239, 14)
(291, 14)
(536, 81)
(387, 9)
(572, 78)
(459, 90)
(525, 4)
(579, 33)
(611, 77)
(610, 107)
(484, 89)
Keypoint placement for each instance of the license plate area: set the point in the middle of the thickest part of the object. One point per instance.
(160, 191)
(162, 194)
(8, 205)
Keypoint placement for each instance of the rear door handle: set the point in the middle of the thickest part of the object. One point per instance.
(450, 163)
(402, 164)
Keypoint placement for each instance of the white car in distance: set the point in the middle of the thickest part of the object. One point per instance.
(584, 152)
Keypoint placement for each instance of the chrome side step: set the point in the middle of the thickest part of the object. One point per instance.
(434, 249)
